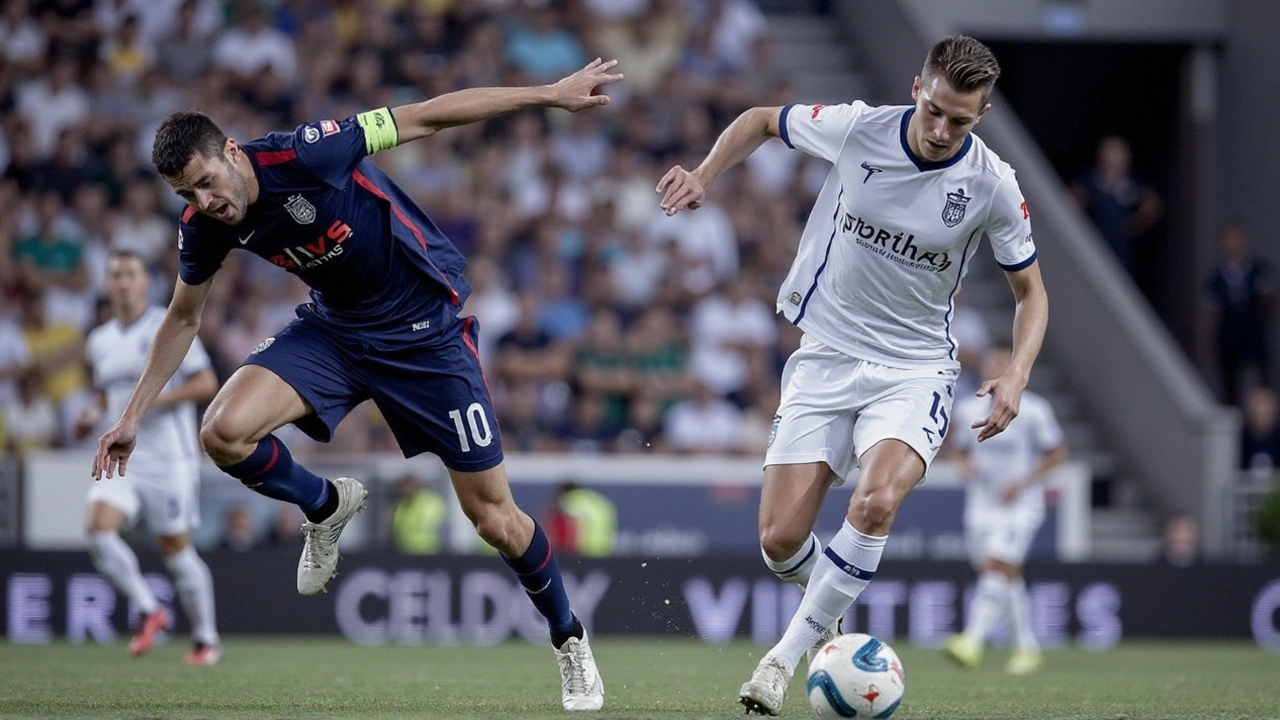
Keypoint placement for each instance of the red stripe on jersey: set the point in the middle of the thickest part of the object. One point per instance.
(188, 213)
(275, 157)
(367, 184)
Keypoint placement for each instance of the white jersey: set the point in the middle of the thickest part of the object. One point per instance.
(1005, 458)
(167, 441)
(891, 235)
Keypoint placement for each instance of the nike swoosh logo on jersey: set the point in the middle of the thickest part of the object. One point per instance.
(245, 240)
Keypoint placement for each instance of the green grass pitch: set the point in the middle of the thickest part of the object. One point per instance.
(644, 678)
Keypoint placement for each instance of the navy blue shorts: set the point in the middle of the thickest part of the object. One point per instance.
(433, 395)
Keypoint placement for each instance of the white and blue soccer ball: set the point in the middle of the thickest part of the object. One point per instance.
(855, 676)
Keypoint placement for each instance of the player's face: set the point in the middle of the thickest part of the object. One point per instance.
(214, 186)
(944, 117)
(126, 284)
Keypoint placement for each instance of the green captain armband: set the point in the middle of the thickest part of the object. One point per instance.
(379, 130)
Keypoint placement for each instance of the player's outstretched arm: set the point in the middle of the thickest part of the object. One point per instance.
(685, 189)
(578, 91)
(1030, 319)
(170, 346)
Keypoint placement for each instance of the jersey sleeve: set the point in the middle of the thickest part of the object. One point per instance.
(199, 256)
(819, 130)
(197, 360)
(332, 148)
(1009, 226)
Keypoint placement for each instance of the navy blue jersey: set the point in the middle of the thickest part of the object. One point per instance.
(377, 264)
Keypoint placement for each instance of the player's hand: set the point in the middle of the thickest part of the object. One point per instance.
(114, 448)
(683, 191)
(1007, 394)
(581, 90)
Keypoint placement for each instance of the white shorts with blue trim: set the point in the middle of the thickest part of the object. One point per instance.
(835, 407)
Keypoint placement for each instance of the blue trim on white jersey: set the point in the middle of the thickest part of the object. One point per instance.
(1018, 266)
(924, 165)
(782, 125)
(804, 306)
(951, 299)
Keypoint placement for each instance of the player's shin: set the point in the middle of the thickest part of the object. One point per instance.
(270, 470)
(1020, 615)
(841, 574)
(194, 584)
(539, 574)
(797, 568)
(988, 602)
(113, 557)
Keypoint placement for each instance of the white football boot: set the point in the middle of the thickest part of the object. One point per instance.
(319, 561)
(764, 692)
(581, 687)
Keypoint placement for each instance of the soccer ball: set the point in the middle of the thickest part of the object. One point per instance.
(855, 676)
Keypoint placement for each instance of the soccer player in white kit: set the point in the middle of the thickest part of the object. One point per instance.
(164, 469)
(904, 208)
(1004, 508)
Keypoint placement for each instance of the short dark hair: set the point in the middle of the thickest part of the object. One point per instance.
(182, 136)
(967, 64)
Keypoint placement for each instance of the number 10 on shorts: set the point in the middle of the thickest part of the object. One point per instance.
(481, 435)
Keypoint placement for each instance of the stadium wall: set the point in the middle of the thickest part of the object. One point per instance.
(442, 600)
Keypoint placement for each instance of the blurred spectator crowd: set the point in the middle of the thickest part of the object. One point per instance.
(606, 326)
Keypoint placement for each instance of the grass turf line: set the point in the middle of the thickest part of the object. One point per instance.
(644, 678)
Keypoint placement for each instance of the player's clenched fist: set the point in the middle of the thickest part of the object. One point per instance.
(684, 190)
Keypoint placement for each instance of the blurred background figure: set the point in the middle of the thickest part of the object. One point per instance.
(1260, 441)
(417, 517)
(1242, 289)
(1120, 204)
(1181, 546)
(581, 521)
(240, 532)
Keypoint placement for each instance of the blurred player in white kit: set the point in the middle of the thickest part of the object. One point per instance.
(163, 472)
(1004, 508)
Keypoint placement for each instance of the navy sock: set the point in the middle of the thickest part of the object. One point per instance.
(540, 576)
(270, 470)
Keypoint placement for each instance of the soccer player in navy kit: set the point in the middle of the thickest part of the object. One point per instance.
(383, 326)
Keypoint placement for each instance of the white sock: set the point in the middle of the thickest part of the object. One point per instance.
(115, 559)
(797, 568)
(1020, 616)
(194, 584)
(844, 569)
(988, 602)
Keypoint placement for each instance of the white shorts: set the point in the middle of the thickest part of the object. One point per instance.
(835, 407)
(170, 509)
(1008, 542)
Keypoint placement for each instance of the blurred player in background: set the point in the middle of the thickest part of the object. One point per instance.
(387, 287)
(164, 483)
(1004, 508)
(902, 213)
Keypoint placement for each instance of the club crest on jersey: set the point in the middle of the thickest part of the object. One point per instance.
(953, 211)
(304, 213)
(263, 345)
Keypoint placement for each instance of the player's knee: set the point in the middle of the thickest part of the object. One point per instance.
(876, 509)
(220, 439)
(171, 545)
(780, 542)
(494, 525)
